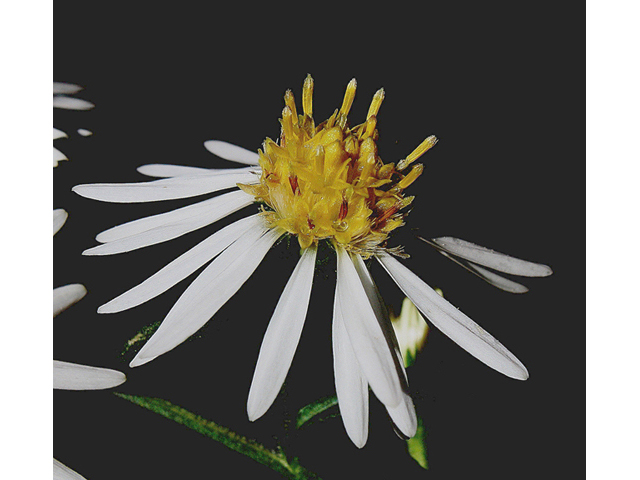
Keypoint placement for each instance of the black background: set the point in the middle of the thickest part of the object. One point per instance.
(500, 85)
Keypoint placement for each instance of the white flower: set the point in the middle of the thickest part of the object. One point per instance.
(317, 183)
(72, 376)
(62, 100)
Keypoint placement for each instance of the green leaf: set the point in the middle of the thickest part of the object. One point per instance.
(307, 412)
(417, 446)
(275, 460)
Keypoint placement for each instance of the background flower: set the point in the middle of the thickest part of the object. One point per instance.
(63, 99)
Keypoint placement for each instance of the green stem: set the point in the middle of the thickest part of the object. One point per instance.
(275, 460)
(308, 412)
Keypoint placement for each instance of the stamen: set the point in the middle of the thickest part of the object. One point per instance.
(370, 126)
(290, 102)
(307, 96)
(418, 152)
(287, 126)
(375, 104)
(349, 95)
(413, 175)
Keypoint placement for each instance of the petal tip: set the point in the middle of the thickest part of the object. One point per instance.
(138, 360)
(359, 442)
(254, 411)
(104, 309)
(122, 378)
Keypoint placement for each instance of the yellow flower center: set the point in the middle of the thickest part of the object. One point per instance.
(328, 182)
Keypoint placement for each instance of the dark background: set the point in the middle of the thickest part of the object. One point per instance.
(499, 84)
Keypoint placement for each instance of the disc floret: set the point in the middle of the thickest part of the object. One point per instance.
(328, 182)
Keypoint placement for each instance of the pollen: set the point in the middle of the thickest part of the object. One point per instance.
(327, 181)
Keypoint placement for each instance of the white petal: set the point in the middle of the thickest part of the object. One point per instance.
(62, 472)
(165, 189)
(281, 338)
(175, 223)
(65, 88)
(231, 152)
(58, 134)
(352, 389)
(183, 266)
(167, 171)
(58, 156)
(145, 224)
(64, 297)
(71, 376)
(452, 322)
(489, 258)
(404, 416)
(59, 217)
(497, 280)
(488, 276)
(69, 103)
(84, 132)
(382, 315)
(211, 290)
(377, 361)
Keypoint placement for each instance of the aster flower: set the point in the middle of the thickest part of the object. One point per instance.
(317, 183)
(72, 376)
(61, 99)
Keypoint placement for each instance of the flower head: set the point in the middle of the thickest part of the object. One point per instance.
(323, 182)
(328, 182)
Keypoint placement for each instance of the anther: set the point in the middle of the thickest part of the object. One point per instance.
(349, 95)
(411, 177)
(375, 103)
(290, 102)
(307, 96)
(287, 125)
(418, 152)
